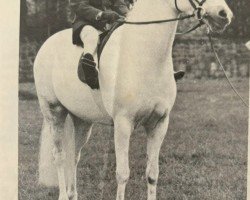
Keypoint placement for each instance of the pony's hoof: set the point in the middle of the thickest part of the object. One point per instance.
(73, 196)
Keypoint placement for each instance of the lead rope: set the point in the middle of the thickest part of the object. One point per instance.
(223, 69)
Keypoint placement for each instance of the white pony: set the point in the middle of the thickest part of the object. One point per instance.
(137, 87)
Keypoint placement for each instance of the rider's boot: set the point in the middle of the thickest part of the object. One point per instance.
(87, 71)
(179, 75)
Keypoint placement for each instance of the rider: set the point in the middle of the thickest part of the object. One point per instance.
(91, 18)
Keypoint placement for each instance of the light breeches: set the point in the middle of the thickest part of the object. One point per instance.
(90, 37)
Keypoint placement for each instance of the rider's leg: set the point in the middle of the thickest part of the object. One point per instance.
(89, 36)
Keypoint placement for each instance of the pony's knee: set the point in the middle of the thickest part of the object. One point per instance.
(151, 181)
(122, 176)
(158, 114)
(160, 111)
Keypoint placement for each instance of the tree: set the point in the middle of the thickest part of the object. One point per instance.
(240, 27)
(23, 16)
(57, 15)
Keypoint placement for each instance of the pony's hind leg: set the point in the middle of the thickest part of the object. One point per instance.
(54, 116)
(82, 132)
(155, 138)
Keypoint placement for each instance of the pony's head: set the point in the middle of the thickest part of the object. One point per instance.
(215, 13)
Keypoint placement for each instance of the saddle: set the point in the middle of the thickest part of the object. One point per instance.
(103, 39)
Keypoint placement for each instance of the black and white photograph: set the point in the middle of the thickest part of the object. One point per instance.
(133, 99)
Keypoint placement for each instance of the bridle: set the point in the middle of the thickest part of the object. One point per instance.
(199, 12)
(198, 9)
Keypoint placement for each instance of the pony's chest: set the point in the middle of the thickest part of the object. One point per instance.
(145, 85)
(140, 99)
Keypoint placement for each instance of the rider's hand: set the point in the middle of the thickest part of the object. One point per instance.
(110, 16)
(122, 10)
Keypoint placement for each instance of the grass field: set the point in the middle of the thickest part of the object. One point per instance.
(204, 155)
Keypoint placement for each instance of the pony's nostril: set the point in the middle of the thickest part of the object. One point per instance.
(223, 13)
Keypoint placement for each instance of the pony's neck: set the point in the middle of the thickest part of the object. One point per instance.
(148, 10)
(161, 35)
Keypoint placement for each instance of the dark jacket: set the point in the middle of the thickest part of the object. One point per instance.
(85, 12)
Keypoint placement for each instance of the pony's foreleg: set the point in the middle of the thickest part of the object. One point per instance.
(82, 132)
(123, 129)
(154, 141)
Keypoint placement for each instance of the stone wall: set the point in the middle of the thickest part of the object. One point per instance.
(192, 55)
(197, 59)
(28, 51)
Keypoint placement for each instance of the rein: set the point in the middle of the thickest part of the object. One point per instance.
(199, 12)
(158, 21)
(223, 69)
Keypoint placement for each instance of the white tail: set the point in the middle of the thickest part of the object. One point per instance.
(47, 169)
